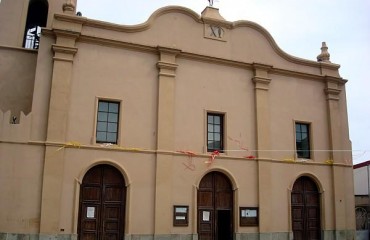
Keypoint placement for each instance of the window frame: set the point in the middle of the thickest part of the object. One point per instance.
(119, 117)
(222, 131)
(309, 145)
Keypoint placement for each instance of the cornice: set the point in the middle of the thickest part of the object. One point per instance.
(261, 66)
(279, 51)
(173, 51)
(331, 79)
(47, 32)
(70, 18)
(116, 43)
(66, 33)
(28, 50)
(130, 28)
(197, 18)
(214, 60)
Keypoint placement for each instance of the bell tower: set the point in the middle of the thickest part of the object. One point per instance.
(37, 16)
(21, 20)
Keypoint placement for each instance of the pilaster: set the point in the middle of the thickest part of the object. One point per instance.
(261, 81)
(332, 92)
(165, 139)
(64, 50)
(262, 107)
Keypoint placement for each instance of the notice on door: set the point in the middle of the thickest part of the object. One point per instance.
(90, 213)
(206, 216)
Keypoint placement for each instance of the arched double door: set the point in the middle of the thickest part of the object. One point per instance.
(102, 204)
(215, 207)
(306, 222)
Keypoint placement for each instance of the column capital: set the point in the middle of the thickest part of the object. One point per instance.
(167, 61)
(261, 83)
(332, 94)
(261, 77)
(333, 89)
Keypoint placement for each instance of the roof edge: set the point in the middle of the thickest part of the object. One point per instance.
(360, 165)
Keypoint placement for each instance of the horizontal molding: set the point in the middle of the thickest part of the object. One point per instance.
(167, 66)
(64, 49)
(21, 49)
(129, 28)
(62, 59)
(117, 43)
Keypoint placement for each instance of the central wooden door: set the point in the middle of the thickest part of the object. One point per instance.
(306, 221)
(102, 204)
(215, 207)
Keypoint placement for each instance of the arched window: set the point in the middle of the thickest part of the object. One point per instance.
(36, 19)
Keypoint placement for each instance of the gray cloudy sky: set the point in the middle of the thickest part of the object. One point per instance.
(298, 27)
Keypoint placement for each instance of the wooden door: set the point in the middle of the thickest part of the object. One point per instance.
(215, 207)
(102, 204)
(306, 221)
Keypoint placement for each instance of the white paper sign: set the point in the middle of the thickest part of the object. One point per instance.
(90, 213)
(206, 216)
(249, 213)
(181, 210)
(180, 217)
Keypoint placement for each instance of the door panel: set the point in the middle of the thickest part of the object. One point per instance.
(305, 198)
(224, 225)
(102, 204)
(215, 208)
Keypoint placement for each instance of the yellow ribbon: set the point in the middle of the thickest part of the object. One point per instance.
(330, 162)
(70, 144)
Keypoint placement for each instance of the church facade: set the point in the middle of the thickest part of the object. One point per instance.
(186, 126)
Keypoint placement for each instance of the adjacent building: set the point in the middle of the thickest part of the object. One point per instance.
(186, 126)
(362, 200)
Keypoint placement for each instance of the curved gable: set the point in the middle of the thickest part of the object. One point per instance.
(208, 34)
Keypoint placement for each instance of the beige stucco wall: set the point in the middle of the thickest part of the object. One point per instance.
(13, 14)
(293, 99)
(103, 72)
(202, 87)
(21, 183)
(17, 71)
(165, 95)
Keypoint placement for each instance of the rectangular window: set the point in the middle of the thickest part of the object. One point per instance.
(107, 122)
(215, 132)
(302, 136)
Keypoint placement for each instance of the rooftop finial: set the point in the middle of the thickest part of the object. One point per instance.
(324, 56)
(210, 3)
(69, 7)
